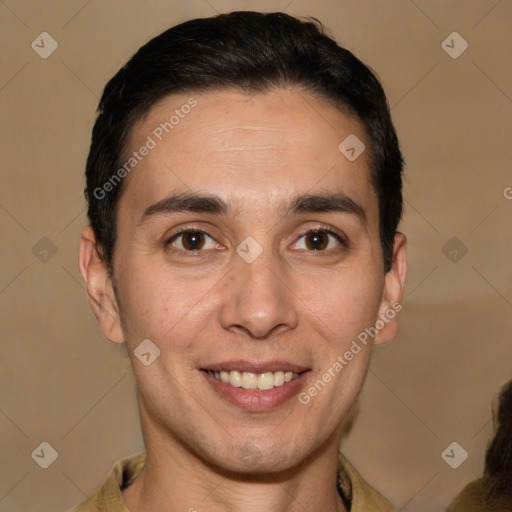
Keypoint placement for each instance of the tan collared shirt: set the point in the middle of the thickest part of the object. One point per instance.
(355, 491)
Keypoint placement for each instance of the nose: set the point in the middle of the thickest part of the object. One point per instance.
(257, 299)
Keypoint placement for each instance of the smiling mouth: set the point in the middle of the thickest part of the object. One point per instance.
(254, 381)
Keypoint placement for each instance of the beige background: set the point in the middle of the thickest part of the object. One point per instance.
(62, 383)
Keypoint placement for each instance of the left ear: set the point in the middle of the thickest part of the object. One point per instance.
(391, 302)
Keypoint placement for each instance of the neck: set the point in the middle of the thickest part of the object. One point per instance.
(176, 480)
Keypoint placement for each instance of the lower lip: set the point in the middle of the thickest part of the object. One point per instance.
(257, 400)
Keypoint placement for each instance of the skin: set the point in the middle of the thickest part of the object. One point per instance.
(293, 303)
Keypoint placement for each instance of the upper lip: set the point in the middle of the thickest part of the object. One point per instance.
(253, 367)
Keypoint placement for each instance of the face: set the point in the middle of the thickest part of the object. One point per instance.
(248, 252)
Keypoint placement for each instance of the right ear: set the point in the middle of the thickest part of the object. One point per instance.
(99, 287)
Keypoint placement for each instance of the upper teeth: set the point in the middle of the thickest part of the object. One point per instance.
(259, 381)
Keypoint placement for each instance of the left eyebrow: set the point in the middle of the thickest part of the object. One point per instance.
(326, 202)
(193, 202)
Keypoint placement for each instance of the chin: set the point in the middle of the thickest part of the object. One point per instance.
(253, 459)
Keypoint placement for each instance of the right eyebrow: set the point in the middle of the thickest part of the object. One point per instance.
(186, 202)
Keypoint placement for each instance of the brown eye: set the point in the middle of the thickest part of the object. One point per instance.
(317, 240)
(321, 241)
(191, 241)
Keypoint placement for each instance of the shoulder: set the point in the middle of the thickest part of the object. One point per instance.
(361, 494)
(109, 498)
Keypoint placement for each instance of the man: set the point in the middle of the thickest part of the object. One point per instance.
(244, 187)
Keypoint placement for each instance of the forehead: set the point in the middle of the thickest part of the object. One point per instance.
(252, 147)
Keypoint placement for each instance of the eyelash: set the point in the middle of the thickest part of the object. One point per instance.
(322, 228)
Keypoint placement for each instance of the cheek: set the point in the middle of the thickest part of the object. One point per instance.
(160, 306)
(344, 302)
